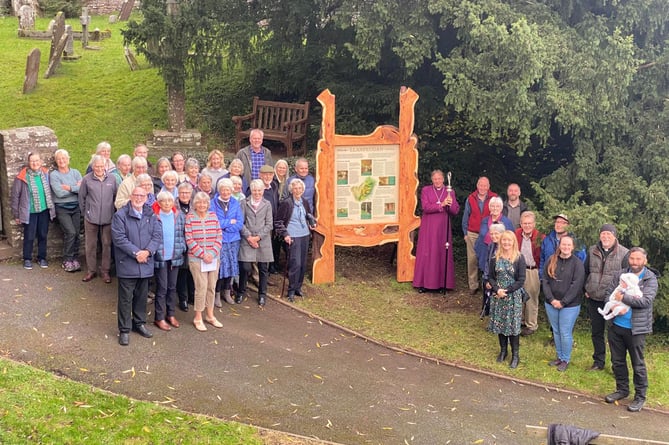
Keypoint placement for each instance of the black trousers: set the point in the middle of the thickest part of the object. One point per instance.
(246, 269)
(597, 329)
(131, 310)
(166, 283)
(621, 343)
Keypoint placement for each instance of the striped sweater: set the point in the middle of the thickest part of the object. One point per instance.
(203, 235)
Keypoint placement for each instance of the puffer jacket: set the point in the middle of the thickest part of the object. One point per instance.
(642, 308)
(131, 234)
(600, 269)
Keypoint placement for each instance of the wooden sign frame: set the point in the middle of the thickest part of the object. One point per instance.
(364, 233)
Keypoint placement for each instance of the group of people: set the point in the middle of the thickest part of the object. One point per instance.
(513, 263)
(198, 234)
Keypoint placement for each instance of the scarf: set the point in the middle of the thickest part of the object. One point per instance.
(31, 178)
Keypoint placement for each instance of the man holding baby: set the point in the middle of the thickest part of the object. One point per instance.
(627, 332)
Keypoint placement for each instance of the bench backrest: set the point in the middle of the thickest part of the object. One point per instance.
(269, 115)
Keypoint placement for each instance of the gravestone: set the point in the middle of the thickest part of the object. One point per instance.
(49, 28)
(113, 18)
(126, 10)
(26, 18)
(85, 20)
(32, 71)
(68, 52)
(57, 32)
(130, 58)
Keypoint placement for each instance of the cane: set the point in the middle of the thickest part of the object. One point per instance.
(285, 269)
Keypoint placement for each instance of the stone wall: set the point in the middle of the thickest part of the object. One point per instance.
(104, 7)
(15, 144)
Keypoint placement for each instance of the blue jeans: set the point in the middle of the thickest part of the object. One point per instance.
(562, 321)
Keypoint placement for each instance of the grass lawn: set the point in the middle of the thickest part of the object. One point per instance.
(366, 298)
(89, 100)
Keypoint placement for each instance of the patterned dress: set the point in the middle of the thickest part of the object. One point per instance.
(506, 313)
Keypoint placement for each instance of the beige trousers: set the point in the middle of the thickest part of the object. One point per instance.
(531, 306)
(205, 286)
(472, 262)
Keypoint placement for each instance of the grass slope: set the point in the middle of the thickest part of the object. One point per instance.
(89, 100)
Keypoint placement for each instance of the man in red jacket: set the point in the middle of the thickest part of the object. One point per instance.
(529, 242)
(476, 208)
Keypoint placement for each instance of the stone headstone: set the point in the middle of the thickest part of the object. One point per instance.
(113, 18)
(130, 58)
(32, 71)
(58, 41)
(49, 28)
(57, 34)
(69, 43)
(85, 20)
(26, 18)
(126, 10)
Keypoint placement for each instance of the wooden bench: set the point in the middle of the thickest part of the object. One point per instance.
(280, 121)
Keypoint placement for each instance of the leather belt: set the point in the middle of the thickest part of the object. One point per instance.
(531, 267)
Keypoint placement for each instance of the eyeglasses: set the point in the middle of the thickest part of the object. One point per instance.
(138, 195)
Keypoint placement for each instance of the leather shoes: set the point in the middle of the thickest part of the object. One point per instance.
(88, 277)
(173, 321)
(141, 330)
(298, 293)
(123, 339)
(239, 298)
(291, 297)
(106, 277)
(183, 306)
(261, 300)
(615, 396)
(636, 405)
(421, 290)
(162, 324)
(596, 367)
(555, 362)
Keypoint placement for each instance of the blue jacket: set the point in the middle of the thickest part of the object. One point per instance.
(549, 246)
(231, 232)
(131, 234)
(179, 242)
(480, 247)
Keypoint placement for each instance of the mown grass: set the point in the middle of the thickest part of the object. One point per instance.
(89, 100)
(366, 298)
(37, 407)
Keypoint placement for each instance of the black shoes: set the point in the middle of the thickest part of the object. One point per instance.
(123, 339)
(291, 297)
(261, 300)
(141, 330)
(239, 298)
(636, 405)
(183, 306)
(618, 395)
(596, 367)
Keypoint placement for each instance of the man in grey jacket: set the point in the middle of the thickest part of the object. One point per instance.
(627, 333)
(137, 234)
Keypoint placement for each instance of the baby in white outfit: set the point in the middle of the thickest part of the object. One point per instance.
(629, 286)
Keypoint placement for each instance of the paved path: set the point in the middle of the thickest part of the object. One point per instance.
(281, 369)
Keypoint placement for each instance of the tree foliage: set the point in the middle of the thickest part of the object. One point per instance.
(566, 98)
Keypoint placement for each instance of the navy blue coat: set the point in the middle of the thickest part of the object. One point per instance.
(131, 234)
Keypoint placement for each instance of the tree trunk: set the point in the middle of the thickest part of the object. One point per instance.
(176, 108)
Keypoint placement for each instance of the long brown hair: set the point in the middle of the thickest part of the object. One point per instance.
(552, 261)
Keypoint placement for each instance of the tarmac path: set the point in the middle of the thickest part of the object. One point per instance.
(282, 369)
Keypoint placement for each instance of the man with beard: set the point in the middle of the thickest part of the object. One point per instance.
(552, 240)
(627, 332)
(513, 206)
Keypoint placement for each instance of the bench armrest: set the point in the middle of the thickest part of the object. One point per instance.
(239, 119)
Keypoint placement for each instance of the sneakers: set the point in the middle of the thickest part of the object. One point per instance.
(69, 266)
(562, 367)
(76, 266)
(27, 264)
(615, 396)
(636, 405)
(43, 263)
(555, 362)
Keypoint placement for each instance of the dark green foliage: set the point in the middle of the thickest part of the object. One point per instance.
(71, 8)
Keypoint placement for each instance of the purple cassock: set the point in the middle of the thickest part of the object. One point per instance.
(431, 259)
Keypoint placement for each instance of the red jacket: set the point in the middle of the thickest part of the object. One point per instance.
(475, 217)
(536, 238)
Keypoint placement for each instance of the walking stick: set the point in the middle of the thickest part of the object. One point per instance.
(447, 245)
(285, 270)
